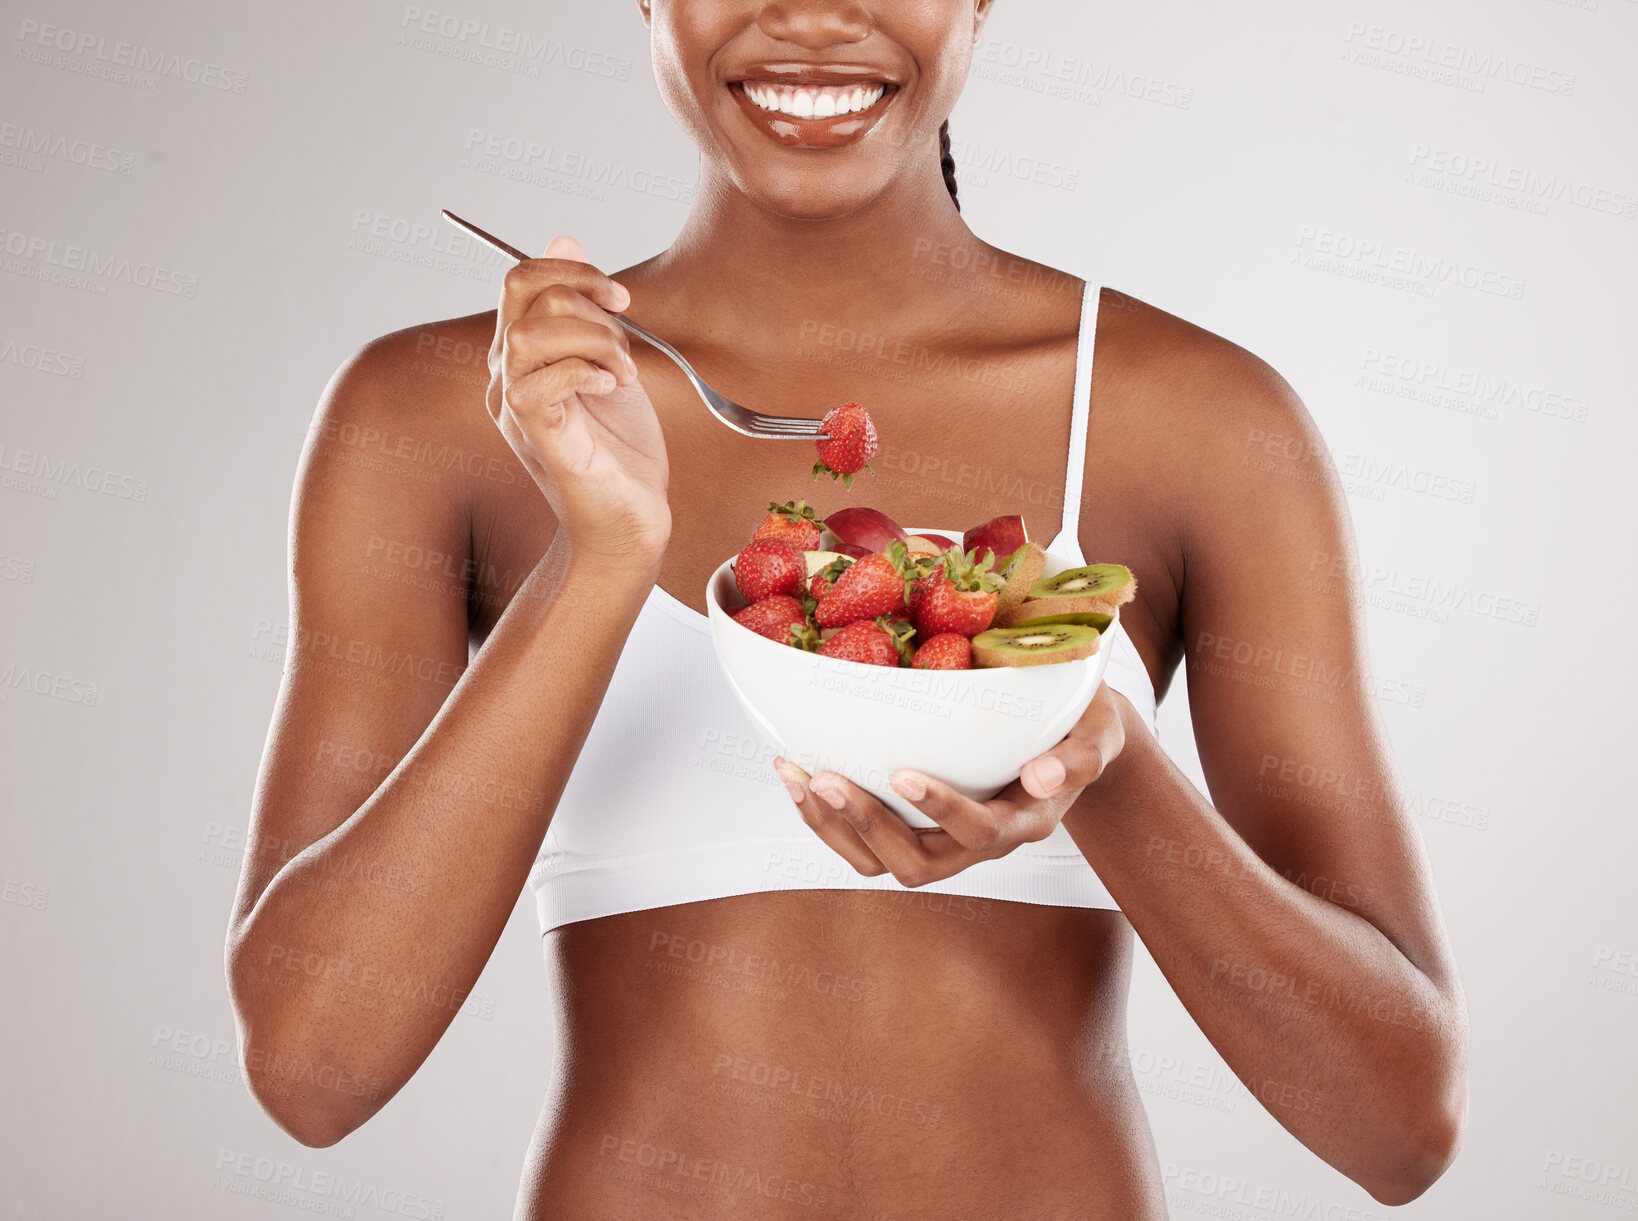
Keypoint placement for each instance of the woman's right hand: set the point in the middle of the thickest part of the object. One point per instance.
(564, 391)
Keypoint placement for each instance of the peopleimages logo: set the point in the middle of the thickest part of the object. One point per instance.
(1051, 72)
(266, 1178)
(41, 39)
(41, 359)
(981, 161)
(14, 677)
(83, 261)
(1371, 259)
(572, 171)
(1437, 59)
(485, 45)
(50, 472)
(31, 146)
(1489, 180)
(1463, 389)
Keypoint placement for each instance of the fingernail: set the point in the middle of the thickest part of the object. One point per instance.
(607, 381)
(622, 295)
(791, 780)
(828, 793)
(792, 784)
(1049, 774)
(909, 785)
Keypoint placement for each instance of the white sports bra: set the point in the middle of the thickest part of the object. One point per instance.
(674, 798)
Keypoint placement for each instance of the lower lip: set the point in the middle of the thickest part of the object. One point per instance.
(793, 132)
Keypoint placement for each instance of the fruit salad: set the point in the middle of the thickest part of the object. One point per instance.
(855, 586)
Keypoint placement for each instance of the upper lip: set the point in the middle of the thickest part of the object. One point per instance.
(789, 72)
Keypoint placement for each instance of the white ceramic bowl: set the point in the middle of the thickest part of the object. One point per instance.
(973, 729)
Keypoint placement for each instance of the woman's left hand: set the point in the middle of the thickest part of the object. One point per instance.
(875, 840)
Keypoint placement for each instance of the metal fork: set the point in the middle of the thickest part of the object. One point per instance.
(740, 419)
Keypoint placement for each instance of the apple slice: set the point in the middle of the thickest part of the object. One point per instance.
(1000, 536)
(942, 542)
(868, 528)
(818, 559)
(920, 544)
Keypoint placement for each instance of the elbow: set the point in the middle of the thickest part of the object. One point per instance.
(303, 1115)
(300, 1091)
(310, 1102)
(1420, 1153)
(1420, 1140)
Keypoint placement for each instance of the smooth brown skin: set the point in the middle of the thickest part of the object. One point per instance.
(399, 810)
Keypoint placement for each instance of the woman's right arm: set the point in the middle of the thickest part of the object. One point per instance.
(402, 801)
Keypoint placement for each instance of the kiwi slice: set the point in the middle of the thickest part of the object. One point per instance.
(1034, 646)
(1022, 570)
(1097, 587)
(1092, 619)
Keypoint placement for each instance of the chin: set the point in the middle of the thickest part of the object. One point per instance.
(836, 188)
(809, 205)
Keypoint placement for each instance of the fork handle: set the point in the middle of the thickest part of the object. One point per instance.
(643, 333)
(517, 256)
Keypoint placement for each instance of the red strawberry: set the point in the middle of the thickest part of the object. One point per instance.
(918, 589)
(793, 521)
(873, 585)
(770, 566)
(944, 609)
(851, 443)
(946, 651)
(959, 597)
(780, 618)
(819, 584)
(871, 642)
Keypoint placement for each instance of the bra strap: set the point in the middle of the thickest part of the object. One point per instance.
(1068, 541)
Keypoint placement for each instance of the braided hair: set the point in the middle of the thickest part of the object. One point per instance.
(947, 162)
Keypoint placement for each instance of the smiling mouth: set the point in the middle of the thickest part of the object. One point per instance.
(813, 101)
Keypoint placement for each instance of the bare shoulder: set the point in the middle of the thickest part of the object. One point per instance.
(405, 416)
(1193, 409)
(430, 375)
(1191, 376)
(1177, 414)
(1221, 457)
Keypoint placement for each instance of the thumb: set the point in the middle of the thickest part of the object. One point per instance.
(565, 247)
(1079, 759)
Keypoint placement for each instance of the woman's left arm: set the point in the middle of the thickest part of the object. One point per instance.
(1293, 913)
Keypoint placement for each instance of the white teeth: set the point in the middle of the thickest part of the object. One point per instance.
(813, 101)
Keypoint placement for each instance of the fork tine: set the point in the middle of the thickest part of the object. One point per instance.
(796, 433)
(799, 427)
(770, 435)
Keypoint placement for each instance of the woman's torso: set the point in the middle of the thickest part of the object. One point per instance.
(907, 1052)
(846, 1054)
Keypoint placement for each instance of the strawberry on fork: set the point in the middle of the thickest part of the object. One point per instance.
(851, 443)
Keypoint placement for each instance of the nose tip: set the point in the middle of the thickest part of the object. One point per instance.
(813, 23)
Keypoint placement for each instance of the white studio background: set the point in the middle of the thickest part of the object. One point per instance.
(1258, 169)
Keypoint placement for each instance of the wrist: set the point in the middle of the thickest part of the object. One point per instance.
(570, 578)
(1116, 787)
(612, 589)
(621, 557)
(623, 573)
